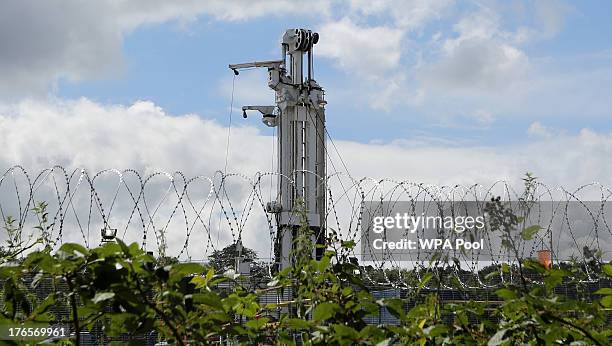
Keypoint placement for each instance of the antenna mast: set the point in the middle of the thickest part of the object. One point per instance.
(299, 115)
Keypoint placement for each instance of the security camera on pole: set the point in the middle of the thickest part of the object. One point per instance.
(299, 115)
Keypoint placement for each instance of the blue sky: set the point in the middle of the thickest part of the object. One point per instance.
(182, 68)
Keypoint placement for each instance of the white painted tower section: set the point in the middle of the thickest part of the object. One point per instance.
(300, 117)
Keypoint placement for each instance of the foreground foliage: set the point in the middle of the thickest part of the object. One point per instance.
(127, 291)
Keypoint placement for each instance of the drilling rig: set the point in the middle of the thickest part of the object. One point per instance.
(299, 116)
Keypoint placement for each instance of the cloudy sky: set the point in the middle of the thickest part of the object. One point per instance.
(435, 91)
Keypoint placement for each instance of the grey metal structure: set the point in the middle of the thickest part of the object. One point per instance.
(299, 115)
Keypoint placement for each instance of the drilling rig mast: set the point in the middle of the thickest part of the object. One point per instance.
(299, 115)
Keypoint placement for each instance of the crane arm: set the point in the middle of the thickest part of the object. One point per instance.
(268, 63)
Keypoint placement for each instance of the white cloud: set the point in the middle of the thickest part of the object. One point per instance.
(155, 11)
(481, 56)
(44, 41)
(551, 15)
(370, 54)
(567, 160)
(536, 129)
(484, 117)
(361, 50)
(482, 64)
(142, 136)
(411, 15)
(84, 134)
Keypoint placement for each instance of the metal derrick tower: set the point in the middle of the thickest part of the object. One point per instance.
(299, 115)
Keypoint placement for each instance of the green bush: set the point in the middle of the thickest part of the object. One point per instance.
(127, 291)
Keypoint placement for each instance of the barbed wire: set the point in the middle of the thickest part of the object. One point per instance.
(189, 217)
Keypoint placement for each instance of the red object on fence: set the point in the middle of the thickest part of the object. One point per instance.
(545, 258)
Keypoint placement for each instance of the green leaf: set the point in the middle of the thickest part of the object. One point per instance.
(324, 263)
(118, 323)
(75, 249)
(349, 244)
(505, 293)
(124, 247)
(45, 305)
(208, 298)
(108, 250)
(257, 323)
(607, 268)
(554, 278)
(425, 280)
(88, 310)
(344, 331)
(297, 323)
(529, 232)
(604, 291)
(435, 330)
(607, 301)
(102, 296)
(40, 259)
(135, 249)
(325, 311)
(395, 307)
(181, 270)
